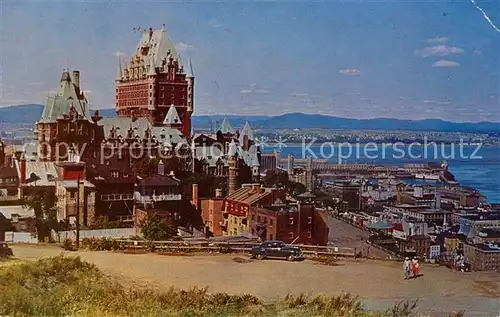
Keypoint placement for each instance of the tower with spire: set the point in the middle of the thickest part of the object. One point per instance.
(153, 80)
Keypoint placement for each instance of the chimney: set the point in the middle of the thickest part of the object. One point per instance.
(76, 78)
(218, 193)
(23, 169)
(150, 33)
(194, 200)
(161, 168)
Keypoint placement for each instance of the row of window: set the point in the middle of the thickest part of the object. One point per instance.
(132, 88)
(7, 180)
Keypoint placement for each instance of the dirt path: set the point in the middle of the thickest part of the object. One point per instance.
(379, 283)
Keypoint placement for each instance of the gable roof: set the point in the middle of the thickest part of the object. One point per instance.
(247, 131)
(249, 195)
(60, 103)
(158, 46)
(226, 127)
(172, 117)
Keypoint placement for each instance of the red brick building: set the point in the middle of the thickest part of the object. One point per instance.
(298, 224)
(153, 80)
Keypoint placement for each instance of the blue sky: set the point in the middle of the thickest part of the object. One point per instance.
(361, 59)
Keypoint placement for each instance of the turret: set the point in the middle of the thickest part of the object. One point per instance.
(152, 85)
(232, 161)
(190, 90)
(76, 78)
(119, 71)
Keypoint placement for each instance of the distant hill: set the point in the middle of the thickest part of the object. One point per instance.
(29, 114)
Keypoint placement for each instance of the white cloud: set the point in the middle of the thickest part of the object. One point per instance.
(439, 50)
(299, 94)
(87, 92)
(350, 71)
(438, 40)
(260, 91)
(245, 91)
(119, 54)
(478, 52)
(214, 23)
(181, 46)
(253, 85)
(445, 63)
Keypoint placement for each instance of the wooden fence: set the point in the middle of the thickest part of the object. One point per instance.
(229, 247)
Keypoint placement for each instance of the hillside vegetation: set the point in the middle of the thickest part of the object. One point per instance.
(67, 286)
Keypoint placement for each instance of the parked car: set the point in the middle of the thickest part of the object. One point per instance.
(276, 249)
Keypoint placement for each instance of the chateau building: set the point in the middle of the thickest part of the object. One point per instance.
(153, 80)
(154, 102)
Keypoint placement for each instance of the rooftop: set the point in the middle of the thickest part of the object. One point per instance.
(492, 216)
(249, 195)
(487, 247)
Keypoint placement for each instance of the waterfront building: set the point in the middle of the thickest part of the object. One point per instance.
(482, 256)
(470, 226)
(349, 192)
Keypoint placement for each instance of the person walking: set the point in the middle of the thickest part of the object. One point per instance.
(415, 267)
(407, 267)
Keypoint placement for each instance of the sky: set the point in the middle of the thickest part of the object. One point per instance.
(357, 59)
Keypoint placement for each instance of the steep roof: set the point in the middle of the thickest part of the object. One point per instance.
(39, 173)
(172, 117)
(226, 127)
(67, 94)
(249, 195)
(247, 131)
(157, 45)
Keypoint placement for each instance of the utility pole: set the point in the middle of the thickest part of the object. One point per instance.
(78, 213)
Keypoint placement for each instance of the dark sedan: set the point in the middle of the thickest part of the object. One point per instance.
(276, 249)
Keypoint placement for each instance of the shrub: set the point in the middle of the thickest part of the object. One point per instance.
(155, 228)
(101, 244)
(5, 251)
(68, 245)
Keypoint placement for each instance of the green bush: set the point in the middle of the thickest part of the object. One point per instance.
(5, 251)
(101, 244)
(68, 245)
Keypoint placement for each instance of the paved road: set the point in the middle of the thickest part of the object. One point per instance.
(379, 284)
(342, 234)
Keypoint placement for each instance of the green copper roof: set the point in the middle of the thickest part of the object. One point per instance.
(67, 94)
(158, 44)
(226, 127)
(247, 131)
(172, 117)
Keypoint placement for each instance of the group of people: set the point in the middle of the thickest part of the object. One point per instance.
(411, 267)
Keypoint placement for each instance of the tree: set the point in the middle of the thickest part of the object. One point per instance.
(276, 178)
(280, 178)
(147, 167)
(43, 203)
(155, 228)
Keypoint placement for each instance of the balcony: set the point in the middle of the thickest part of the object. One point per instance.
(155, 198)
(117, 197)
